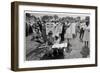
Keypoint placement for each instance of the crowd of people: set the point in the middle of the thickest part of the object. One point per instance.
(53, 30)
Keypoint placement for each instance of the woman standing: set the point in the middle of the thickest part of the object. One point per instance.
(86, 35)
(68, 32)
(68, 36)
(85, 49)
(74, 28)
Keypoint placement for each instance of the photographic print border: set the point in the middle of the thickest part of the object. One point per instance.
(15, 34)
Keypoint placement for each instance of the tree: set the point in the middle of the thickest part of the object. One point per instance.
(56, 17)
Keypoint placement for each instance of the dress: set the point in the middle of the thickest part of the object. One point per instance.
(86, 34)
(68, 33)
(57, 29)
(73, 28)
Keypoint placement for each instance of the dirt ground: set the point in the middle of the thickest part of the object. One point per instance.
(33, 53)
